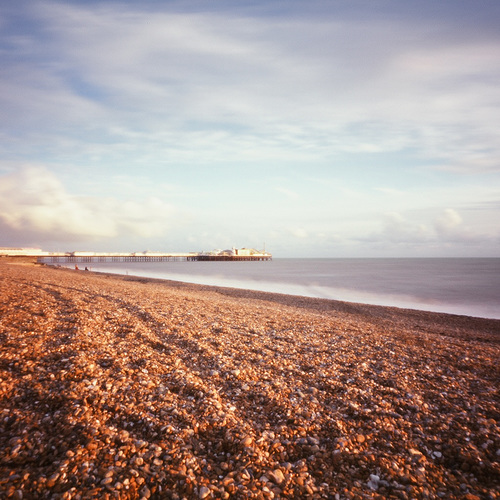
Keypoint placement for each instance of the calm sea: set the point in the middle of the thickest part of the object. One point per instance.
(460, 286)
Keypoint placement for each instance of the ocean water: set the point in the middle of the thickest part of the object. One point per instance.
(463, 286)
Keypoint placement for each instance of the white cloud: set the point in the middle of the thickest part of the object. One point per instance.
(288, 193)
(174, 81)
(35, 204)
(428, 232)
(448, 221)
(391, 191)
(397, 229)
(299, 232)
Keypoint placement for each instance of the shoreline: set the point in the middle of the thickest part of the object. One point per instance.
(357, 295)
(331, 306)
(134, 388)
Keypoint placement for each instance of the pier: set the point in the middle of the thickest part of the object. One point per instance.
(84, 257)
(43, 257)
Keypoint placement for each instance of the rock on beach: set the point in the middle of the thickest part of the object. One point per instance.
(115, 387)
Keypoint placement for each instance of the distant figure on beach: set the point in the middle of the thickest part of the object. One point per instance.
(86, 268)
(76, 267)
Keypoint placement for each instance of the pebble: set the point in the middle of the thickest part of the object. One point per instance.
(277, 476)
(247, 441)
(155, 390)
(145, 492)
(204, 492)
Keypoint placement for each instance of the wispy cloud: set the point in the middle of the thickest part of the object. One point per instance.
(448, 221)
(288, 193)
(34, 202)
(438, 231)
(299, 232)
(247, 79)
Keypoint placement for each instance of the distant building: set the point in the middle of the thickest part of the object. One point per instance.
(27, 252)
(246, 251)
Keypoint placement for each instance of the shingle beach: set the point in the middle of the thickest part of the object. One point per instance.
(115, 387)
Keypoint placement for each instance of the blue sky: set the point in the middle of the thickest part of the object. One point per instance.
(365, 128)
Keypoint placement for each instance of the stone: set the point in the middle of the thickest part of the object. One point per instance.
(277, 476)
(203, 492)
(247, 441)
(373, 485)
(145, 492)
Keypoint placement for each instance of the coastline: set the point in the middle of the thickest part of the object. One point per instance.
(128, 387)
(437, 322)
(465, 287)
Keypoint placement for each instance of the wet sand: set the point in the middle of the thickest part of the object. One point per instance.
(123, 387)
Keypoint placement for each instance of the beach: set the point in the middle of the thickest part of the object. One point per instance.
(128, 388)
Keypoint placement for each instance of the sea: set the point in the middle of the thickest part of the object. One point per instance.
(464, 286)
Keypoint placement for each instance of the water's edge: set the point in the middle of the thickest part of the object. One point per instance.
(436, 286)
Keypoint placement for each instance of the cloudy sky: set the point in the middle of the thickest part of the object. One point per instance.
(363, 128)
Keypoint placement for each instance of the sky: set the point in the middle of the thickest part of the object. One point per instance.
(318, 128)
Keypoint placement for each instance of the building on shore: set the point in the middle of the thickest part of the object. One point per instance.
(22, 252)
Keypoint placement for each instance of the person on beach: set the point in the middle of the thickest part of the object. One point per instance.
(76, 267)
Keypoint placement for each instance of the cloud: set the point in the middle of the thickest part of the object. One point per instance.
(299, 232)
(448, 221)
(34, 204)
(288, 193)
(398, 230)
(391, 191)
(432, 231)
(198, 85)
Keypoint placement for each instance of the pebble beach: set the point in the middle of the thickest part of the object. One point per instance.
(120, 387)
